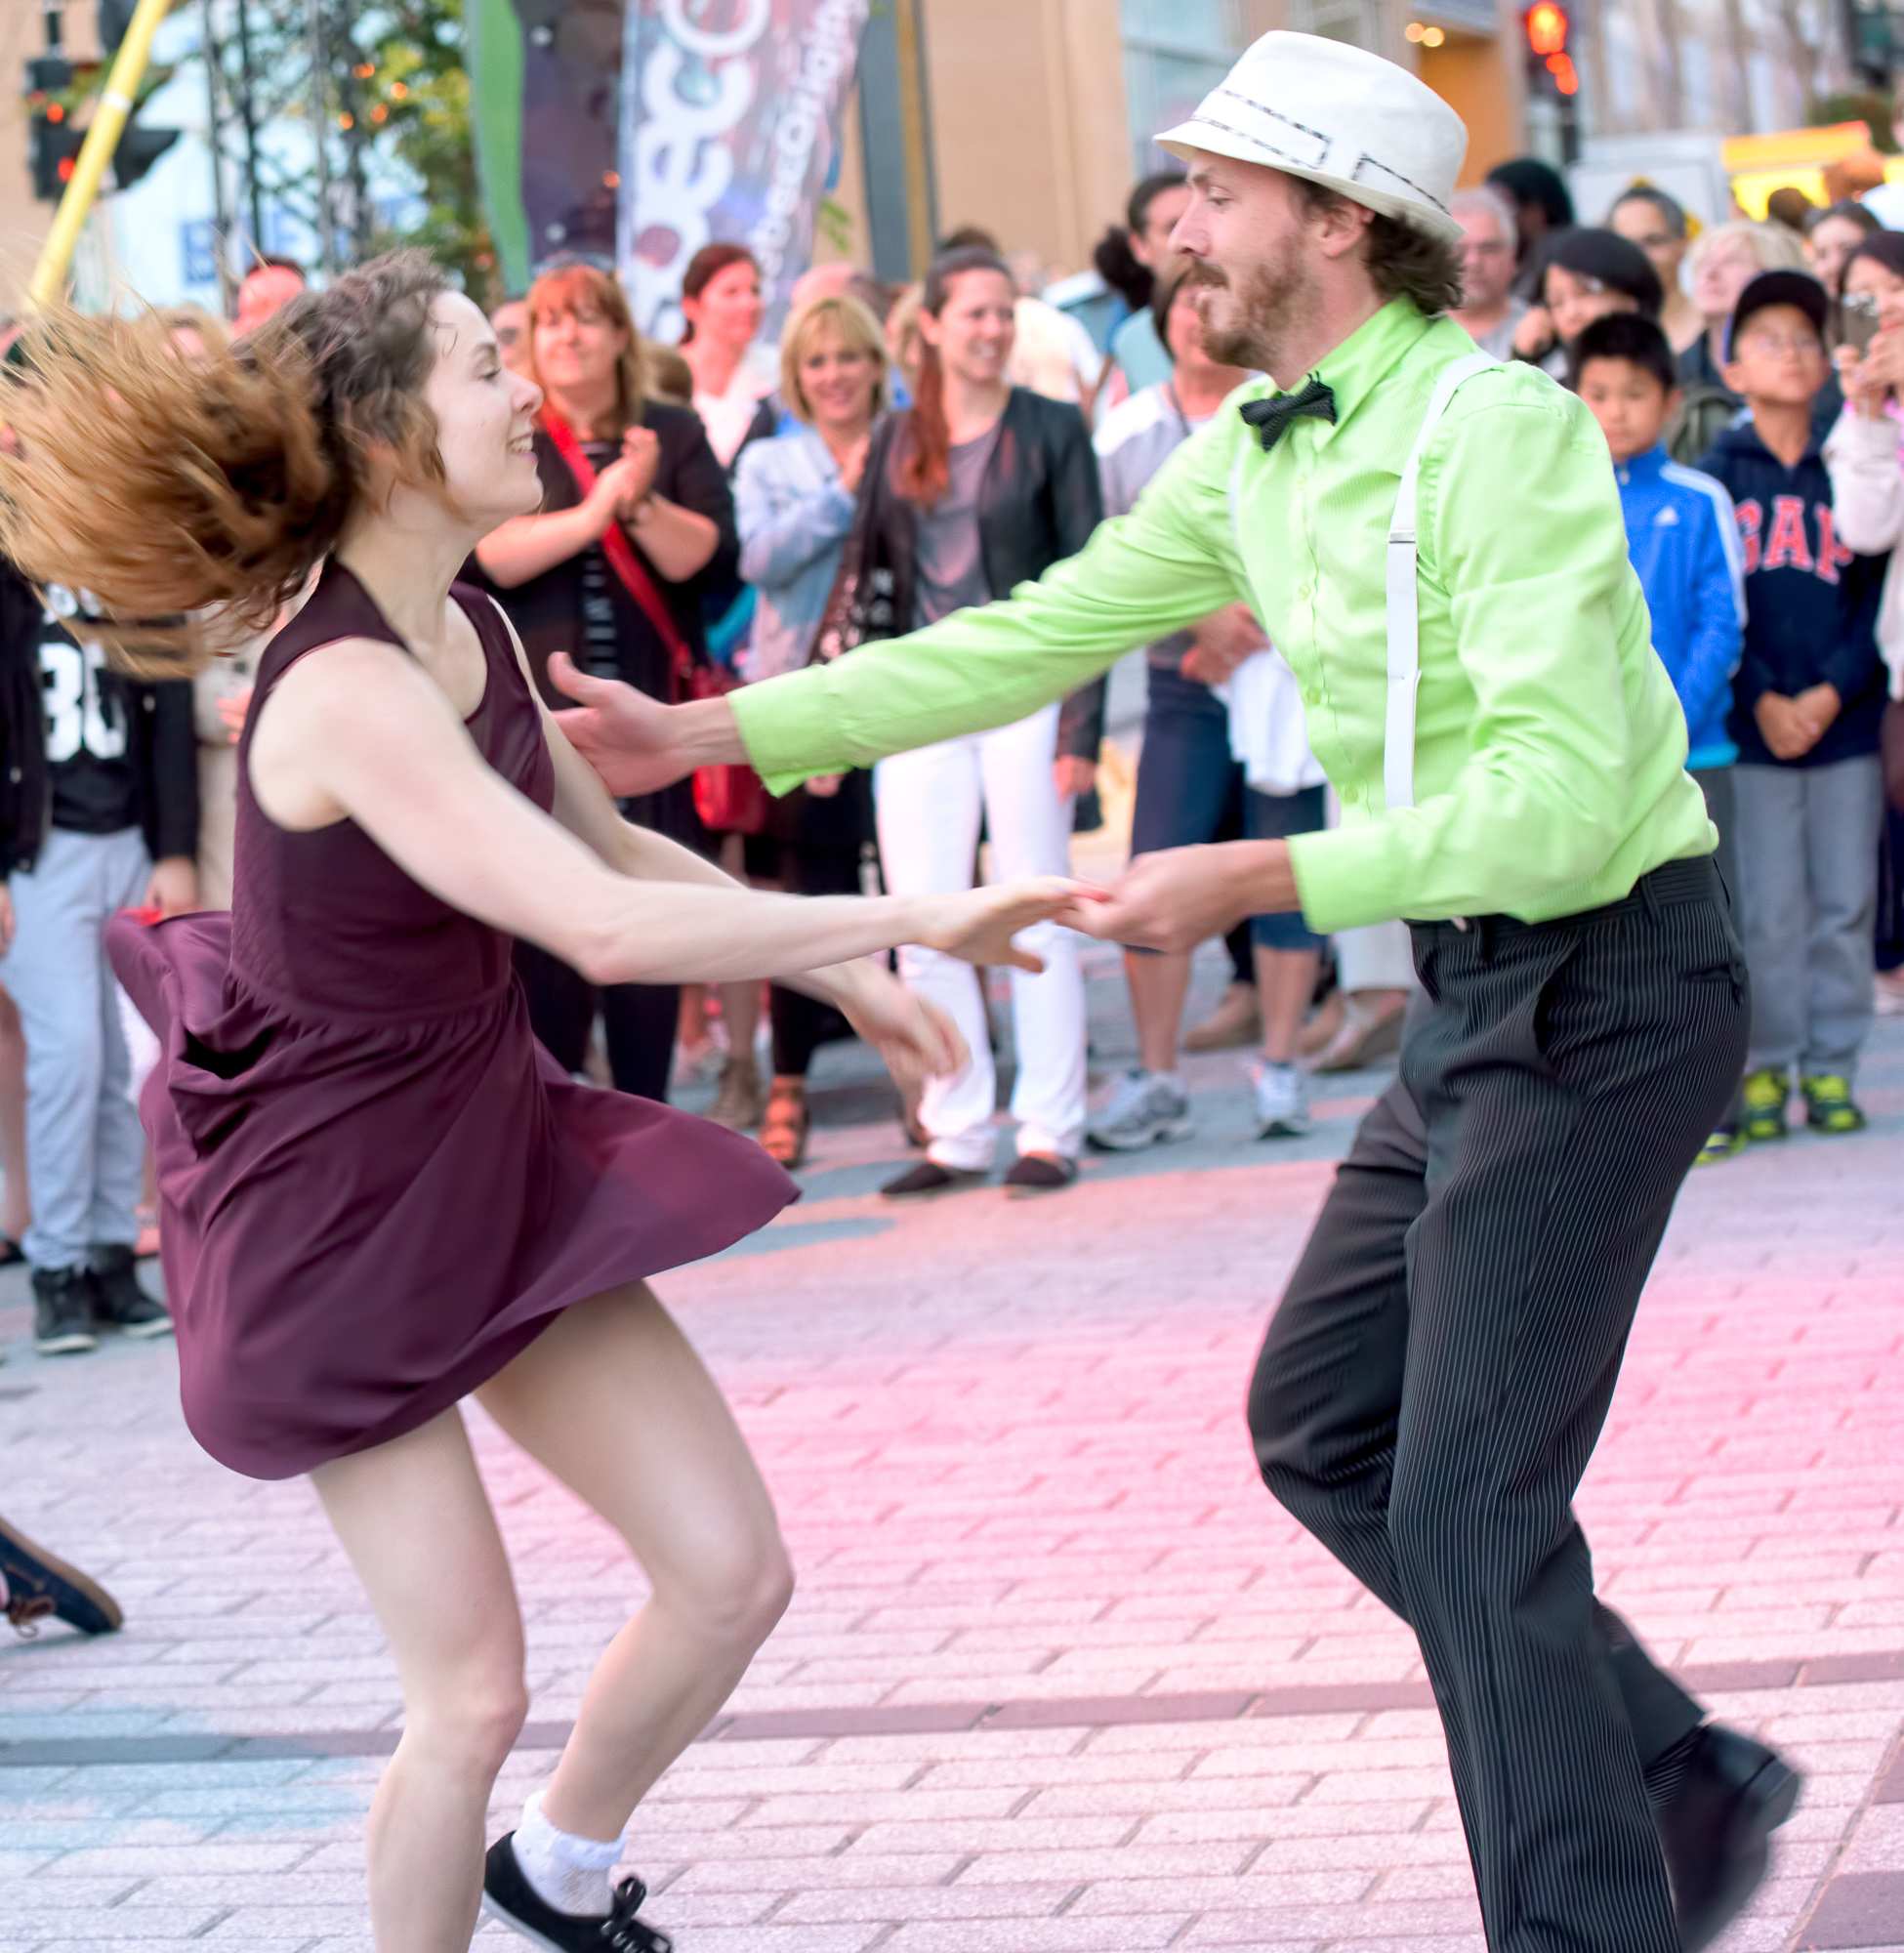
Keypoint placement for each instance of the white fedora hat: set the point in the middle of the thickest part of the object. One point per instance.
(1339, 116)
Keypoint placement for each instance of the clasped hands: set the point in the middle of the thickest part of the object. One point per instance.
(1791, 727)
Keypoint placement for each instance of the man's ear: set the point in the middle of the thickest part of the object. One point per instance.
(1340, 225)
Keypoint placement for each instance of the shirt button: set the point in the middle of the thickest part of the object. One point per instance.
(1303, 590)
(1348, 795)
(1311, 695)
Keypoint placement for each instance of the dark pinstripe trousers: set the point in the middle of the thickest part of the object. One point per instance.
(1436, 1375)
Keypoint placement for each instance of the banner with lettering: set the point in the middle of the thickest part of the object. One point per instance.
(729, 133)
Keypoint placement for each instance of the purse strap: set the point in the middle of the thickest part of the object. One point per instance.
(622, 558)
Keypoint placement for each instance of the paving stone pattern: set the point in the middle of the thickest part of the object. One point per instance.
(1006, 1438)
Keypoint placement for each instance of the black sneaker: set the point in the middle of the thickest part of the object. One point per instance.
(63, 1321)
(509, 1896)
(37, 1584)
(121, 1303)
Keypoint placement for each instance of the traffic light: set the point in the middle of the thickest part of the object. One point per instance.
(55, 148)
(136, 151)
(1550, 65)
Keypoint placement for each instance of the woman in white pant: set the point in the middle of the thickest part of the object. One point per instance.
(975, 488)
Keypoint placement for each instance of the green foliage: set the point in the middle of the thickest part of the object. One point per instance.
(418, 106)
(1867, 105)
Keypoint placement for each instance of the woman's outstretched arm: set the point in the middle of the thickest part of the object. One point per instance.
(358, 730)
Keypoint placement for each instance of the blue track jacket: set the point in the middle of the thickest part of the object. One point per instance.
(1685, 544)
(1811, 605)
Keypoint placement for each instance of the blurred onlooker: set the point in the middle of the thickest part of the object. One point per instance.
(721, 301)
(1191, 790)
(1589, 274)
(510, 323)
(1657, 224)
(794, 501)
(1830, 235)
(270, 283)
(1787, 206)
(1807, 706)
(976, 487)
(1685, 544)
(635, 509)
(99, 812)
(1140, 358)
(668, 376)
(1722, 263)
(1542, 209)
(1863, 455)
(1490, 311)
(1051, 354)
(840, 281)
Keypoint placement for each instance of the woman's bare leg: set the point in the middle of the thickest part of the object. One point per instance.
(611, 1399)
(16, 1203)
(414, 1519)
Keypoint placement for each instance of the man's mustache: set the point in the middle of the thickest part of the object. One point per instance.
(1204, 274)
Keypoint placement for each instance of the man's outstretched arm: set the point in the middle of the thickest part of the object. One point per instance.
(1167, 563)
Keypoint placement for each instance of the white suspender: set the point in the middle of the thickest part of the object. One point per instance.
(1404, 619)
(1404, 616)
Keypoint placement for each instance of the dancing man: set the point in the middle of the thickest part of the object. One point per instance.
(380, 1195)
(1434, 543)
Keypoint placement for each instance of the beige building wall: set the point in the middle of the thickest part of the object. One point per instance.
(1029, 136)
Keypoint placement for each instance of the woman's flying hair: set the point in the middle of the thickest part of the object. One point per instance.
(164, 483)
(568, 290)
(842, 318)
(924, 466)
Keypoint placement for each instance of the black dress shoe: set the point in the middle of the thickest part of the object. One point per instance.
(509, 1896)
(1715, 1828)
(39, 1584)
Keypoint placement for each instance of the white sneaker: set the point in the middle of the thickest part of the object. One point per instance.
(1147, 1107)
(1282, 1100)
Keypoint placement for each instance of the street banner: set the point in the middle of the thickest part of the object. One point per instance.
(729, 133)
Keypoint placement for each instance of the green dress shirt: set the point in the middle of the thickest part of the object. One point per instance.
(1549, 747)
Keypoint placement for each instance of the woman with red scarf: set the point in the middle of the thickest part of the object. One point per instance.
(636, 518)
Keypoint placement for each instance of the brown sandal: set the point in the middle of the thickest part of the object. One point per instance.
(784, 1128)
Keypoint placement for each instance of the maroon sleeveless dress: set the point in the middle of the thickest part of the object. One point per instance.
(375, 1186)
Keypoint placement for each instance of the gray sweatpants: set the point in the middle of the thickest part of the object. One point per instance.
(1807, 839)
(84, 1147)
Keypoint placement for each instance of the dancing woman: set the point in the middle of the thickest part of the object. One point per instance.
(379, 1194)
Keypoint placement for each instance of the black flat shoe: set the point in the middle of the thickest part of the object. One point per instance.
(929, 1177)
(39, 1584)
(508, 1897)
(1716, 1829)
(1041, 1172)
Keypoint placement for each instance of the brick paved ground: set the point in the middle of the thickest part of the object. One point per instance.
(1059, 1677)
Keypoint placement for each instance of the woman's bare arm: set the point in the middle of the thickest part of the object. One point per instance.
(357, 730)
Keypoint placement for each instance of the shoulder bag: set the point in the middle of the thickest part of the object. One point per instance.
(729, 799)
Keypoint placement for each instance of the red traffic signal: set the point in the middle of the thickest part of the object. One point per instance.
(1547, 28)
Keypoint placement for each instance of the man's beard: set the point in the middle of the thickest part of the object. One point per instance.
(1276, 298)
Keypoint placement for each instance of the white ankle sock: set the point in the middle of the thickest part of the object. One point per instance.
(567, 1872)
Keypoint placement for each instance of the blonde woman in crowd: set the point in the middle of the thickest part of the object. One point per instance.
(794, 500)
(1723, 262)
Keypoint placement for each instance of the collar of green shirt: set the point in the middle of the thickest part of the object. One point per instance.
(1351, 369)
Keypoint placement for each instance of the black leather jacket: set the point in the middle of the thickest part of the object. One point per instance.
(1038, 502)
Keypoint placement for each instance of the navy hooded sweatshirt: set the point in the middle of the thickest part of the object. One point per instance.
(1811, 605)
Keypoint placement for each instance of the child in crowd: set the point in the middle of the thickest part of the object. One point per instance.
(1807, 704)
(1685, 544)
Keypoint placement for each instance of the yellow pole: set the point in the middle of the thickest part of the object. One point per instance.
(101, 139)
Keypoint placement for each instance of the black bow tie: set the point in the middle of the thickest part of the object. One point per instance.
(1271, 416)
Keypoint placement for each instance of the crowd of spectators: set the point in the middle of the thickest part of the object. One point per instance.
(719, 512)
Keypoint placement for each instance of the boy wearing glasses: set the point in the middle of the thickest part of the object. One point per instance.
(1807, 702)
